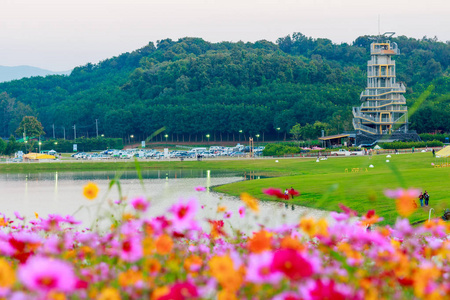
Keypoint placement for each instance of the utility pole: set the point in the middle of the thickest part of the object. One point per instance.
(64, 128)
(96, 126)
(74, 132)
(53, 131)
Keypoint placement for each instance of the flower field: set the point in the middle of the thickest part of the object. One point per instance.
(173, 257)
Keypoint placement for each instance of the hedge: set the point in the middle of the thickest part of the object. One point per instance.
(405, 145)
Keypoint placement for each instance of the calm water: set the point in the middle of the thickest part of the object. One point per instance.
(61, 193)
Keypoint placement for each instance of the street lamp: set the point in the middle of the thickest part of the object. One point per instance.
(103, 135)
(208, 137)
(26, 143)
(257, 139)
(40, 147)
(240, 131)
(131, 136)
(166, 136)
(278, 133)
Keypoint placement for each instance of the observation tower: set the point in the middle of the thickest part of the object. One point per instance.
(383, 107)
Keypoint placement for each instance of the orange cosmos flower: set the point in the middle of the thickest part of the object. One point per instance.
(289, 242)
(90, 191)
(250, 201)
(164, 244)
(405, 200)
(261, 241)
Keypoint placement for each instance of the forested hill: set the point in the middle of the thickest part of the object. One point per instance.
(194, 88)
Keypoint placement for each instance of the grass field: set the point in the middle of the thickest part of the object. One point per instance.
(325, 184)
(322, 184)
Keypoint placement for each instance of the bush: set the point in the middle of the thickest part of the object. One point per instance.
(405, 145)
(280, 149)
(429, 137)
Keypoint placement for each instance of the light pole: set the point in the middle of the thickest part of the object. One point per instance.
(26, 143)
(208, 137)
(240, 131)
(278, 133)
(257, 139)
(40, 147)
(166, 136)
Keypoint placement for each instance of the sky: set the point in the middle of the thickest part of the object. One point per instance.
(59, 35)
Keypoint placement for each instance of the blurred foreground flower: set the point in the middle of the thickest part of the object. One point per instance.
(250, 201)
(276, 192)
(43, 274)
(140, 204)
(90, 191)
(200, 189)
(405, 200)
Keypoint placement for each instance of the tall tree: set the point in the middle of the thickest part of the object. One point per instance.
(30, 126)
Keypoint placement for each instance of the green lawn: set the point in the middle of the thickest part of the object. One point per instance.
(325, 184)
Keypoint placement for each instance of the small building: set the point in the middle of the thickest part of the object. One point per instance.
(337, 140)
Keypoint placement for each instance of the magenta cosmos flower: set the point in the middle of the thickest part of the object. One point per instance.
(200, 188)
(47, 274)
(184, 214)
(292, 264)
(242, 211)
(140, 204)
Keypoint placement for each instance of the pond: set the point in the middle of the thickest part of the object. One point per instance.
(61, 193)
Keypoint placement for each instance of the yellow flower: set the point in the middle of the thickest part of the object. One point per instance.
(56, 296)
(109, 294)
(7, 275)
(148, 245)
(221, 208)
(250, 201)
(90, 191)
(159, 292)
(36, 215)
(308, 226)
(2, 222)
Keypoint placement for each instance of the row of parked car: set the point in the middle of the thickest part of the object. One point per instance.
(213, 151)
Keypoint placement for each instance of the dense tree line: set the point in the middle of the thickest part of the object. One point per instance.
(193, 88)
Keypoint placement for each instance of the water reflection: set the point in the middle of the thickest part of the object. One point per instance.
(61, 193)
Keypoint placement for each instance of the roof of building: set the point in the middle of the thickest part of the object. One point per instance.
(332, 137)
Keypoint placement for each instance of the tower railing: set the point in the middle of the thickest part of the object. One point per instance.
(359, 126)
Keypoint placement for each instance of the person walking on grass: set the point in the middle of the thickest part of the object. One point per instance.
(421, 199)
(426, 198)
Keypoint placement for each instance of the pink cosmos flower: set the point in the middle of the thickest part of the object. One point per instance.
(399, 193)
(348, 211)
(227, 214)
(242, 211)
(18, 216)
(131, 249)
(140, 204)
(258, 269)
(71, 220)
(200, 188)
(184, 214)
(44, 274)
